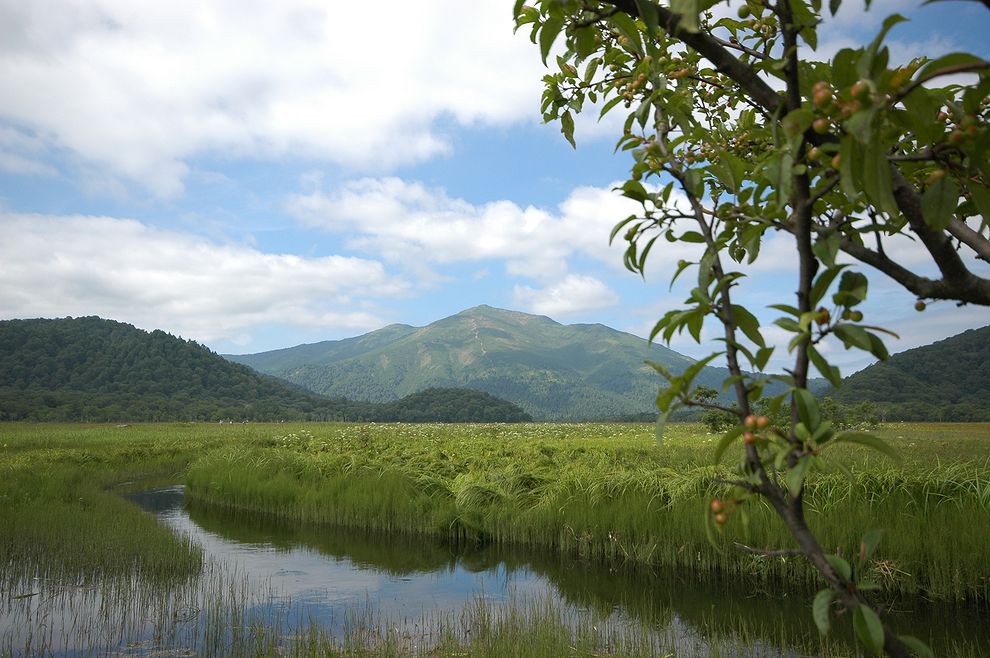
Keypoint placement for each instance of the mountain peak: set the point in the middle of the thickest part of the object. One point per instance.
(503, 314)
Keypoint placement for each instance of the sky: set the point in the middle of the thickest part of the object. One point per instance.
(254, 175)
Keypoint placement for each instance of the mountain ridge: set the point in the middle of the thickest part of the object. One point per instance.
(102, 370)
(552, 370)
(944, 380)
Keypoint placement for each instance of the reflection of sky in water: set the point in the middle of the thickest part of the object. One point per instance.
(330, 588)
(343, 581)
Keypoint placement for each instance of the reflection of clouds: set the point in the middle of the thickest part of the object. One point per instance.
(335, 590)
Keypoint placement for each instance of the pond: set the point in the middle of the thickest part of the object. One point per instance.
(265, 581)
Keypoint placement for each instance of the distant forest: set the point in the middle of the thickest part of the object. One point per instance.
(945, 381)
(90, 369)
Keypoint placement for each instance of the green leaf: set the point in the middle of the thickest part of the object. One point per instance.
(748, 323)
(797, 122)
(917, 646)
(868, 628)
(807, 407)
(877, 180)
(648, 12)
(852, 289)
(689, 10)
(822, 283)
(877, 348)
(952, 59)
(584, 45)
(981, 197)
(548, 34)
(567, 127)
(791, 310)
(853, 336)
(828, 371)
(795, 475)
(841, 566)
(627, 28)
(921, 106)
(726, 441)
(634, 190)
(844, 67)
(869, 544)
(938, 203)
(661, 425)
(870, 441)
(827, 248)
(820, 610)
(850, 166)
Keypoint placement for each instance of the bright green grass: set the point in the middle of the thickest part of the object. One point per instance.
(607, 491)
(589, 490)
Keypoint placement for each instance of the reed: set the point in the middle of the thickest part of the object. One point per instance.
(608, 492)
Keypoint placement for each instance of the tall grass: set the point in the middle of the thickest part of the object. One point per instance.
(606, 492)
(75, 559)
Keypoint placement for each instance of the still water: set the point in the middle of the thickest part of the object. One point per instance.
(289, 579)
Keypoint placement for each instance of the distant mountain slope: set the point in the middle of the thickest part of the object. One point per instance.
(947, 380)
(101, 370)
(551, 370)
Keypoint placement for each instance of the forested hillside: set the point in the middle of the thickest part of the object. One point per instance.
(945, 381)
(92, 369)
(553, 371)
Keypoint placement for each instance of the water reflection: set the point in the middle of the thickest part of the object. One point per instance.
(261, 573)
(404, 576)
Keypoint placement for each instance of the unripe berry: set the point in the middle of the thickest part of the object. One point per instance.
(749, 438)
(750, 421)
(920, 306)
(763, 422)
(721, 518)
(861, 90)
(820, 126)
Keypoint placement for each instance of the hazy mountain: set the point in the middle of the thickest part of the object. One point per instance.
(101, 370)
(552, 370)
(947, 380)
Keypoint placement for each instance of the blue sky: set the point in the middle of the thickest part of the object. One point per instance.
(254, 175)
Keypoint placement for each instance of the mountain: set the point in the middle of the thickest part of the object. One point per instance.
(551, 370)
(101, 370)
(947, 380)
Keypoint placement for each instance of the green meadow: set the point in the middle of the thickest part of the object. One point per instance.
(596, 493)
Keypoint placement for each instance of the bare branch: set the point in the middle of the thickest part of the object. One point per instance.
(970, 238)
(948, 70)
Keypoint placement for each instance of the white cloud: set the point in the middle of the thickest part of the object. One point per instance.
(408, 223)
(573, 294)
(123, 269)
(139, 89)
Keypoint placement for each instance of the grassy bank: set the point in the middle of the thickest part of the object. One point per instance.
(607, 492)
(71, 546)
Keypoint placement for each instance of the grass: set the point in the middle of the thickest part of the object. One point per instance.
(598, 493)
(606, 492)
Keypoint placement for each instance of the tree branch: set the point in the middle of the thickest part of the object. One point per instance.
(709, 47)
(970, 238)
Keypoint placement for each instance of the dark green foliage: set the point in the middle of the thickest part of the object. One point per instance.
(449, 405)
(944, 381)
(90, 369)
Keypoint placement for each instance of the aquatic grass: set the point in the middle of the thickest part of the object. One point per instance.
(598, 493)
(607, 492)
